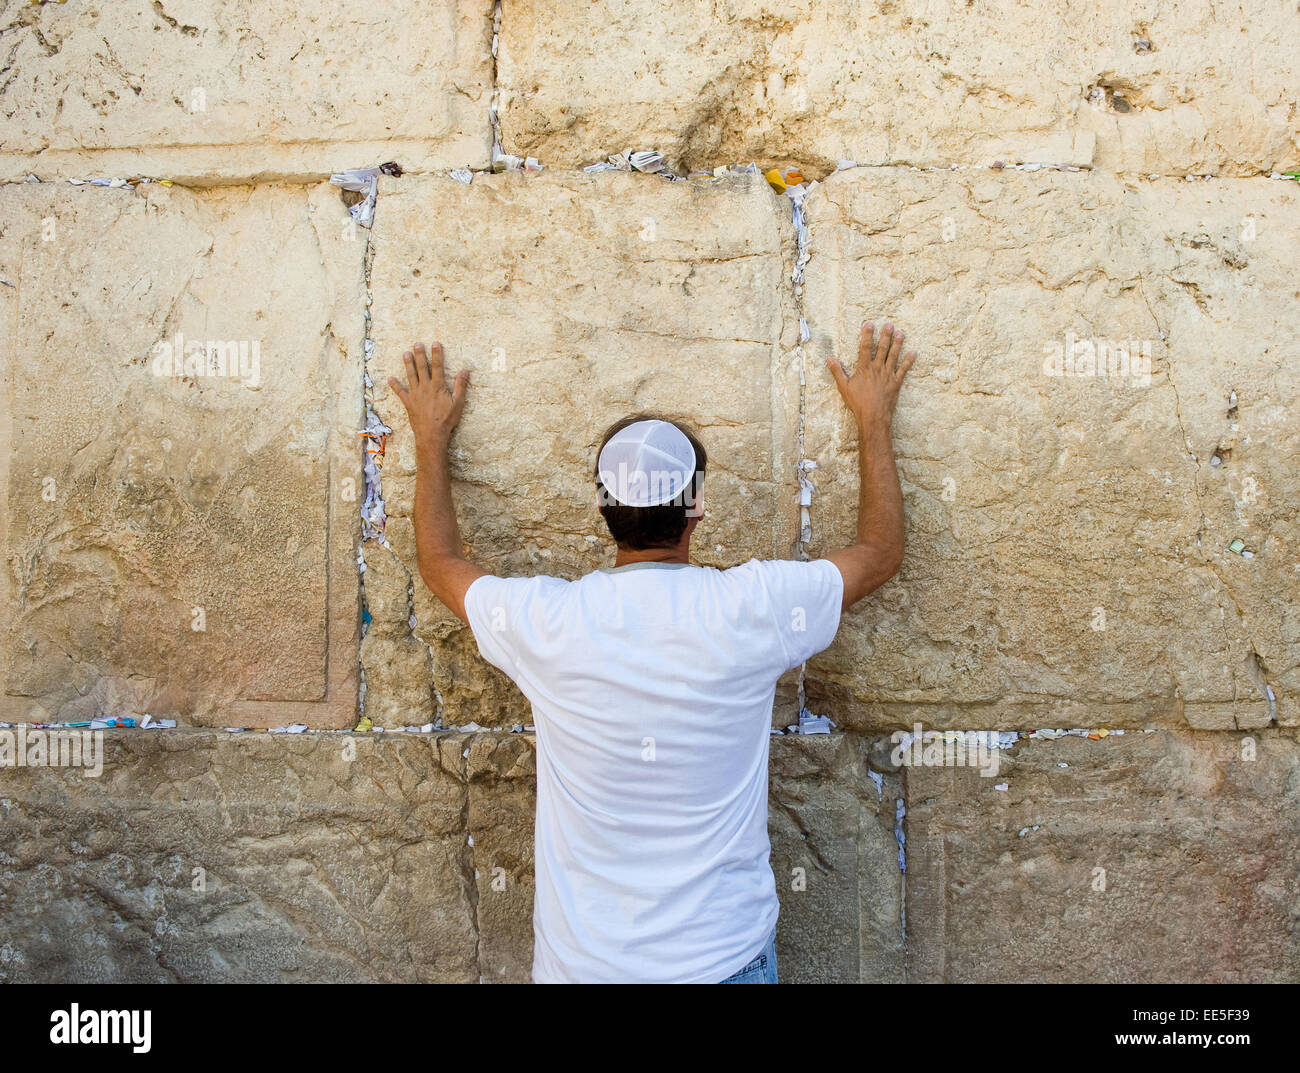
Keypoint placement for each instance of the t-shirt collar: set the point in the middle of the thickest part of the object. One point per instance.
(634, 566)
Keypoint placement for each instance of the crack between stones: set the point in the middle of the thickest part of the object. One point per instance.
(1196, 462)
(494, 99)
(366, 346)
(802, 482)
(1254, 664)
(380, 541)
(1178, 413)
(469, 864)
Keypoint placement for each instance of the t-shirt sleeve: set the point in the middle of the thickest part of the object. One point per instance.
(499, 610)
(805, 599)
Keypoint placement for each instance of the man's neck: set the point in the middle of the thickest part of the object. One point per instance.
(679, 554)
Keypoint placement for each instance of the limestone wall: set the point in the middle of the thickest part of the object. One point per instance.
(1081, 214)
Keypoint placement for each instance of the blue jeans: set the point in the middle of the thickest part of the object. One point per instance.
(762, 970)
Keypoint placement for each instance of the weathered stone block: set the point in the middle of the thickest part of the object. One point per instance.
(205, 91)
(1149, 89)
(202, 855)
(501, 774)
(180, 532)
(835, 859)
(575, 300)
(1153, 858)
(1068, 535)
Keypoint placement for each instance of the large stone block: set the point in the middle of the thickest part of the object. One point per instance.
(1154, 858)
(201, 855)
(179, 535)
(206, 91)
(1147, 88)
(1068, 535)
(575, 300)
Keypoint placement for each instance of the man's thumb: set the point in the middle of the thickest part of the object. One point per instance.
(837, 371)
(396, 386)
(459, 385)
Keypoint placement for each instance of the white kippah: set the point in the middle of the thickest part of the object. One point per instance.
(647, 464)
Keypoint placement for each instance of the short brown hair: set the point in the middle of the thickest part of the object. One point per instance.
(638, 528)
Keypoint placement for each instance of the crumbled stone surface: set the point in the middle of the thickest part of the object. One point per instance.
(1152, 858)
(179, 535)
(1169, 89)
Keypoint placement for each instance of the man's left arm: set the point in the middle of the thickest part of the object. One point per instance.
(433, 412)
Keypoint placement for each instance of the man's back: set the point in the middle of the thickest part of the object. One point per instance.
(652, 687)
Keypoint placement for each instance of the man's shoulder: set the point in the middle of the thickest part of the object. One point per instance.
(521, 582)
(792, 578)
(494, 588)
(787, 567)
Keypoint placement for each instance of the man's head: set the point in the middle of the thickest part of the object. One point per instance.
(661, 525)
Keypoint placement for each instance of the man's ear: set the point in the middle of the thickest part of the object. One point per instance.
(696, 509)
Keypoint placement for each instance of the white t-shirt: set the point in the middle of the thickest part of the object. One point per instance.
(652, 687)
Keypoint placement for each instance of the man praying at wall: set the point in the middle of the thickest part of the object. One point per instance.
(652, 684)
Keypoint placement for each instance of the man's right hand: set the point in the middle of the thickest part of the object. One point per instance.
(871, 392)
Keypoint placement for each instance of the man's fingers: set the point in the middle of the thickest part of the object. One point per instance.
(882, 344)
(895, 349)
(422, 362)
(435, 365)
(412, 366)
(906, 363)
(866, 343)
(425, 365)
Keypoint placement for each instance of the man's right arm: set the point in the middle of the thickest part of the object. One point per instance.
(871, 393)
